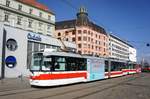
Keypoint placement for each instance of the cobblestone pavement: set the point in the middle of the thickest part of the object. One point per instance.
(135, 86)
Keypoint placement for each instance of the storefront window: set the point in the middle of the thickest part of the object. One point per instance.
(42, 46)
(36, 46)
(29, 54)
(48, 46)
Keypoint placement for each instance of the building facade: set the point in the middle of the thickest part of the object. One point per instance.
(90, 38)
(120, 49)
(28, 15)
(26, 26)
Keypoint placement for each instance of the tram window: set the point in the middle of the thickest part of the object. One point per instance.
(36, 65)
(36, 61)
(47, 63)
(59, 64)
(106, 66)
(71, 64)
(75, 64)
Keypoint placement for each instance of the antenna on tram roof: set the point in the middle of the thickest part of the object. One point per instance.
(48, 50)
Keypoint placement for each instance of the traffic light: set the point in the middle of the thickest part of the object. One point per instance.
(147, 44)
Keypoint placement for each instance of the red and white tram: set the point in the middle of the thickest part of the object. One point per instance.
(51, 68)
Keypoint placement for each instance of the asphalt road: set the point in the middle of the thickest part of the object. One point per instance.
(135, 86)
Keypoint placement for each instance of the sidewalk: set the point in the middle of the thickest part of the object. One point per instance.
(14, 83)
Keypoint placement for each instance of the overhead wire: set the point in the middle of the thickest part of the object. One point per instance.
(102, 25)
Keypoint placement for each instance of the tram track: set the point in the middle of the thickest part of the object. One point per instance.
(88, 94)
(11, 89)
(29, 90)
(19, 92)
(104, 89)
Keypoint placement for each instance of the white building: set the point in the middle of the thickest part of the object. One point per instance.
(29, 26)
(132, 54)
(118, 48)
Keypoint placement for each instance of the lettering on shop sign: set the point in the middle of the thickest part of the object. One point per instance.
(32, 36)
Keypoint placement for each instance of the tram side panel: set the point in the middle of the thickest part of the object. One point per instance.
(95, 69)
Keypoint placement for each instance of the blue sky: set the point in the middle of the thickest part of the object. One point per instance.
(128, 19)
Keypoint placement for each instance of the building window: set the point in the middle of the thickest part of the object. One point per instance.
(59, 34)
(30, 23)
(104, 50)
(96, 48)
(79, 38)
(99, 43)
(30, 11)
(79, 52)
(85, 45)
(48, 27)
(88, 45)
(92, 34)
(79, 45)
(49, 17)
(99, 48)
(79, 31)
(19, 7)
(89, 39)
(67, 39)
(66, 33)
(19, 20)
(84, 38)
(96, 35)
(40, 14)
(40, 24)
(88, 32)
(7, 3)
(92, 47)
(95, 41)
(73, 32)
(73, 39)
(85, 31)
(6, 18)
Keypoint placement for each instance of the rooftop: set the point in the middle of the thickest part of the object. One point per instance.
(72, 23)
(112, 35)
(36, 4)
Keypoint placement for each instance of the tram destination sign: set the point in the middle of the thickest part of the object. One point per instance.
(33, 36)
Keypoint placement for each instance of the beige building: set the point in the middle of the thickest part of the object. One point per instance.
(90, 38)
(27, 15)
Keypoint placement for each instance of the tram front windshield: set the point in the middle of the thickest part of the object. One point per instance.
(39, 62)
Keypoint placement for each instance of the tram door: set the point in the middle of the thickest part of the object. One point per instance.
(95, 69)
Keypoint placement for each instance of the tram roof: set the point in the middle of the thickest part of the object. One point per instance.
(66, 54)
(63, 54)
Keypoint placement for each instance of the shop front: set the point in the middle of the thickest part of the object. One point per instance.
(18, 48)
